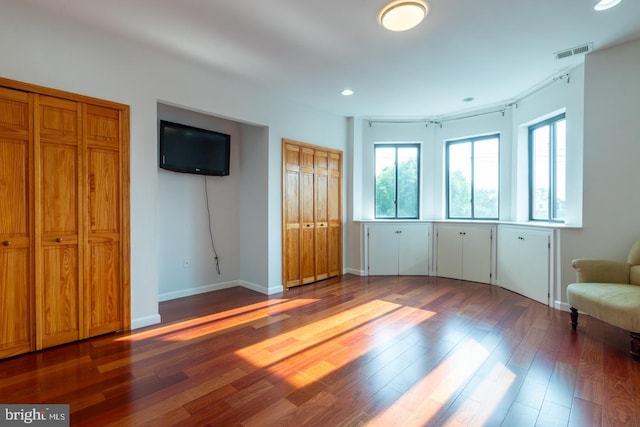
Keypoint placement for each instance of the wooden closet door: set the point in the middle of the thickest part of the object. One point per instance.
(102, 281)
(17, 322)
(322, 215)
(291, 215)
(334, 203)
(58, 215)
(307, 215)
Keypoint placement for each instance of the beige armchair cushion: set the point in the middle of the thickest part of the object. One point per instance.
(617, 304)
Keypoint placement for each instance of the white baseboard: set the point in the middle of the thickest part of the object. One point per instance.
(354, 271)
(562, 306)
(258, 288)
(199, 290)
(145, 321)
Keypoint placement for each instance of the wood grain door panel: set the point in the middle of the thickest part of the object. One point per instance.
(291, 216)
(60, 299)
(321, 215)
(59, 209)
(334, 213)
(17, 326)
(102, 282)
(102, 298)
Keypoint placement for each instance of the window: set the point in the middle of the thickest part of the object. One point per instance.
(472, 168)
(547, 170)
(397, 181)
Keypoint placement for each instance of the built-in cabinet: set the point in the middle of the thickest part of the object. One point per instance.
(464, 251)
(524, 261)
(398, 249)
(516, 257)
(64, 235)
(311, 213)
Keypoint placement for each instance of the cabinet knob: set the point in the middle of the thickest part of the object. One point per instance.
(59, 239)
(6, 243)
(520, 238)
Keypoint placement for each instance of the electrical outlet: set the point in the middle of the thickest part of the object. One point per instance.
(186, 263)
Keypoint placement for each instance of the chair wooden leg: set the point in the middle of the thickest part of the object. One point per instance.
(635, 346)
(574, 318)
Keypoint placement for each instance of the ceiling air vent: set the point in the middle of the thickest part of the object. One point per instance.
(578, 50)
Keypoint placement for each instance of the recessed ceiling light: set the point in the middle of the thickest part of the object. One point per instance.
(400, 15)
(606, 4)
(346, 92)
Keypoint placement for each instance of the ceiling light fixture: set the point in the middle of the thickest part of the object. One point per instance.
(606, 4)
(402, 15)
(346, 92)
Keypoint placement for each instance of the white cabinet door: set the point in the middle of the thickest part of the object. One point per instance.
(449, 244)
(413, 250)
(476, 254)
(383, 250)
(524, 261)
(464, 252)
(398, 249)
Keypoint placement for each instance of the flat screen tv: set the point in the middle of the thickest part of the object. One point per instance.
(189, 149)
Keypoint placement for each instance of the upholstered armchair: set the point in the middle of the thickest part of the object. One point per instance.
(609, 291)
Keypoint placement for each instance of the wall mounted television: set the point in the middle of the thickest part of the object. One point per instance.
(190, 149)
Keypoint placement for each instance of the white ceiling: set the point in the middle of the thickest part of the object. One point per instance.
(308, 50)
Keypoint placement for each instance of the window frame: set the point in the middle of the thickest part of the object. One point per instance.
(472, 141)
(552, 207)
(396, 146)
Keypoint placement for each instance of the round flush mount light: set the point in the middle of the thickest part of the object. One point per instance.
(346, 92)
(402, 15)
(606, 4)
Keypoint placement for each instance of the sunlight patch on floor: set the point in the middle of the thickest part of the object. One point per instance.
(435, 391)
(313, 334)
(219, 321)
(332, 336)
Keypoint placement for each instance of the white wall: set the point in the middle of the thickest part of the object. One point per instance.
(41, 48)
(183, 219)
(611, 152)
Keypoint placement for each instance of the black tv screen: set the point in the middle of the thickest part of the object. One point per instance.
(189, 149)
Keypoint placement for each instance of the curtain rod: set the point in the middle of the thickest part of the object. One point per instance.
(502, 110)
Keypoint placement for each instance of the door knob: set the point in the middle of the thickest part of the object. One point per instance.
(6, 243)
(59, 239)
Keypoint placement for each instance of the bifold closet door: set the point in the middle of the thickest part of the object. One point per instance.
(291, 215)
(58, 158)
(322, 214)
(102, 281)
(307, 215)
(311, 211)
(17, 321)
(334, 212)
(64, 217)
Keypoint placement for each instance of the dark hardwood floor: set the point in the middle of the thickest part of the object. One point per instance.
(350, 351)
